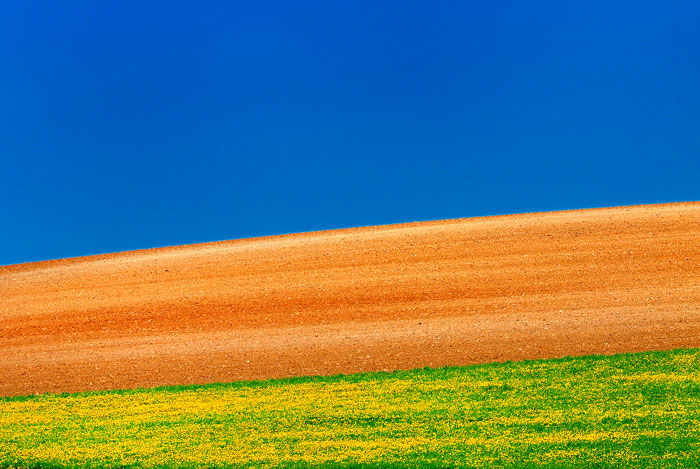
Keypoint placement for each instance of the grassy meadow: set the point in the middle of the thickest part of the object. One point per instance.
(599, 411)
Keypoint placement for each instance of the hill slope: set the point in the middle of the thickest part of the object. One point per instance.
(400, 296)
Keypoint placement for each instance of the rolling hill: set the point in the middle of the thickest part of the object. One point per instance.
(437, 293)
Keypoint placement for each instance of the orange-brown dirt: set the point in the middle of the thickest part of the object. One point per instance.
(379, 298)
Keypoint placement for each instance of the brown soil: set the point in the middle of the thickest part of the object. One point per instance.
(378, 298)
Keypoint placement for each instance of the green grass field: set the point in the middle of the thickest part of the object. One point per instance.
(607, 411)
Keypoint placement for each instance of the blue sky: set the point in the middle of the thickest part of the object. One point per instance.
(127, 125)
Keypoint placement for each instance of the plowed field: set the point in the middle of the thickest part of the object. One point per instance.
(380, 298)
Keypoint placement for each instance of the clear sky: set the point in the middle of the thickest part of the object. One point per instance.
(136, 124)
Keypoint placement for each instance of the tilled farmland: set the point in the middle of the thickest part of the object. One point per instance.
(451, 292)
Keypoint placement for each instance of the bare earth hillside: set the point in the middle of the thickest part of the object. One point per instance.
(379, 298)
